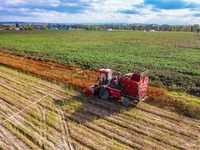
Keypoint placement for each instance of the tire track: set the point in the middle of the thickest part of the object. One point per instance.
(41, 107)
(19, 124)
(137, 125)
(65, 134)
(42, 128)
(94, 123)
(82, 117)
(108, 114)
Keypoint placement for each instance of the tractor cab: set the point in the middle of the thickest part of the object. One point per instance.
(103, 80)
(105, 76)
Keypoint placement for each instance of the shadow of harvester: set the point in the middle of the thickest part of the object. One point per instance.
(83, 108)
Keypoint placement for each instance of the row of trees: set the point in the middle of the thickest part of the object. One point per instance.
(140, 27)
(136, 27)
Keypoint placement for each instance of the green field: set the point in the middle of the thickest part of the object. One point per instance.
(173, 58)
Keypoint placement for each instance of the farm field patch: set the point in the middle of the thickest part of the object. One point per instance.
(171, 57)
(186, 105)
(67, 119)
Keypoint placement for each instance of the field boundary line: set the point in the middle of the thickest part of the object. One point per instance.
(9, 118)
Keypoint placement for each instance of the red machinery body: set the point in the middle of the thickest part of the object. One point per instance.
(132, 87)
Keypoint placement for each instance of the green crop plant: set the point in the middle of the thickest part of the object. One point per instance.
(198, 141)
(85, 76)
(172, 57)
(51, 118)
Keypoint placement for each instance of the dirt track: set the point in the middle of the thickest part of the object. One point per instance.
(66, 119)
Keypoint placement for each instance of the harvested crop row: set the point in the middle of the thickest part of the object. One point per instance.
(95, 110)
(8, 140)
(28, 124)
(32, 131)
(15, 91)
(24, 134)
(170, 116)
(180, 130)
(67, 118)
(18, 94)
(117, 134)
(140, 127)
(26, 82)
(154, 115)
(28, 79)
(94, 139)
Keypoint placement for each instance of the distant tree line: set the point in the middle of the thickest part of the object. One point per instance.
(140, 27)
(132, 27)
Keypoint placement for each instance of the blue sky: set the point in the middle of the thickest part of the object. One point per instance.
(181, 12)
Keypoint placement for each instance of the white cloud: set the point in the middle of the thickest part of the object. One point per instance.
(14, 2)
(77, 11)
(30, 3)
(48, 2)
(192, 1)
(71, 4)
(23, 9)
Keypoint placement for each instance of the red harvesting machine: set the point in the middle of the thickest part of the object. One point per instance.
(130, 87)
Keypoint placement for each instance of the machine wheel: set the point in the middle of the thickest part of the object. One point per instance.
(126, 101)
(104, 94)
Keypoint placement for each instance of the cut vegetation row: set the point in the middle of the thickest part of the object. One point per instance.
(67, 119)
